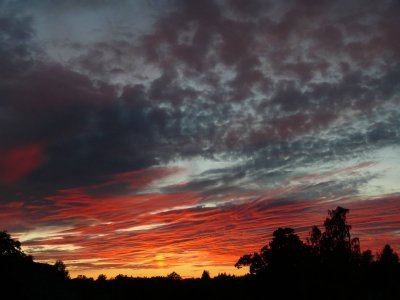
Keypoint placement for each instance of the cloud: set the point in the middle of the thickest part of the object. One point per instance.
(18, 162)
(284, 105)
(220, 235)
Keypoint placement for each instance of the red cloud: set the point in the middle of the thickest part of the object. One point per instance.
(18, 162)
(120, 232)
(96, 230)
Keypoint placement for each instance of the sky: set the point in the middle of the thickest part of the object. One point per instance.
(150, 136)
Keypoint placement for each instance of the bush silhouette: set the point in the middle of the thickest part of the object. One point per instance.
(174, 276)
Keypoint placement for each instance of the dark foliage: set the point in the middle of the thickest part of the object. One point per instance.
(329, 265)
(205, 275)
(29, 279)
(9, 247)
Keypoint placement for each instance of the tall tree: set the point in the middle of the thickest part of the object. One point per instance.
(337, 232)
(336, 244)
(61, 269)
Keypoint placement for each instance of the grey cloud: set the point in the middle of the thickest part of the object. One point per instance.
(231, 81)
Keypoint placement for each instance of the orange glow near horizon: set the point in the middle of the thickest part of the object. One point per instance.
(152, 235)
(186, 271)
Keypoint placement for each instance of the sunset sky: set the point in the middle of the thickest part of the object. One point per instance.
(144, 137)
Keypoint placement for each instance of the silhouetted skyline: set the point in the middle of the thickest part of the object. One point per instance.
(329, 264)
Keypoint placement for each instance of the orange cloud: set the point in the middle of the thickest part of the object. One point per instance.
(128, 233)
(91, 230)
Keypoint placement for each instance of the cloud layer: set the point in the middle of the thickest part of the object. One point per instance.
(195, 130)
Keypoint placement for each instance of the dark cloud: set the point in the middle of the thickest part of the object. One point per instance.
(54, 5)
(79, 122)
(88, 129)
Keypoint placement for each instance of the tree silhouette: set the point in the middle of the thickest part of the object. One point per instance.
(10, 247)
(337, 232)
(388, 257)
(32, 280)
(284, 252)
(174, 276)
(335, 245)
(13, 261)
(257, 264)
(205, 275)
(101, 278)
(81, 277)
(314, 239)
(61, 269)
(366, 258)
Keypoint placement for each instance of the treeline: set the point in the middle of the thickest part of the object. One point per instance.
(332, 250)
(328, 265)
